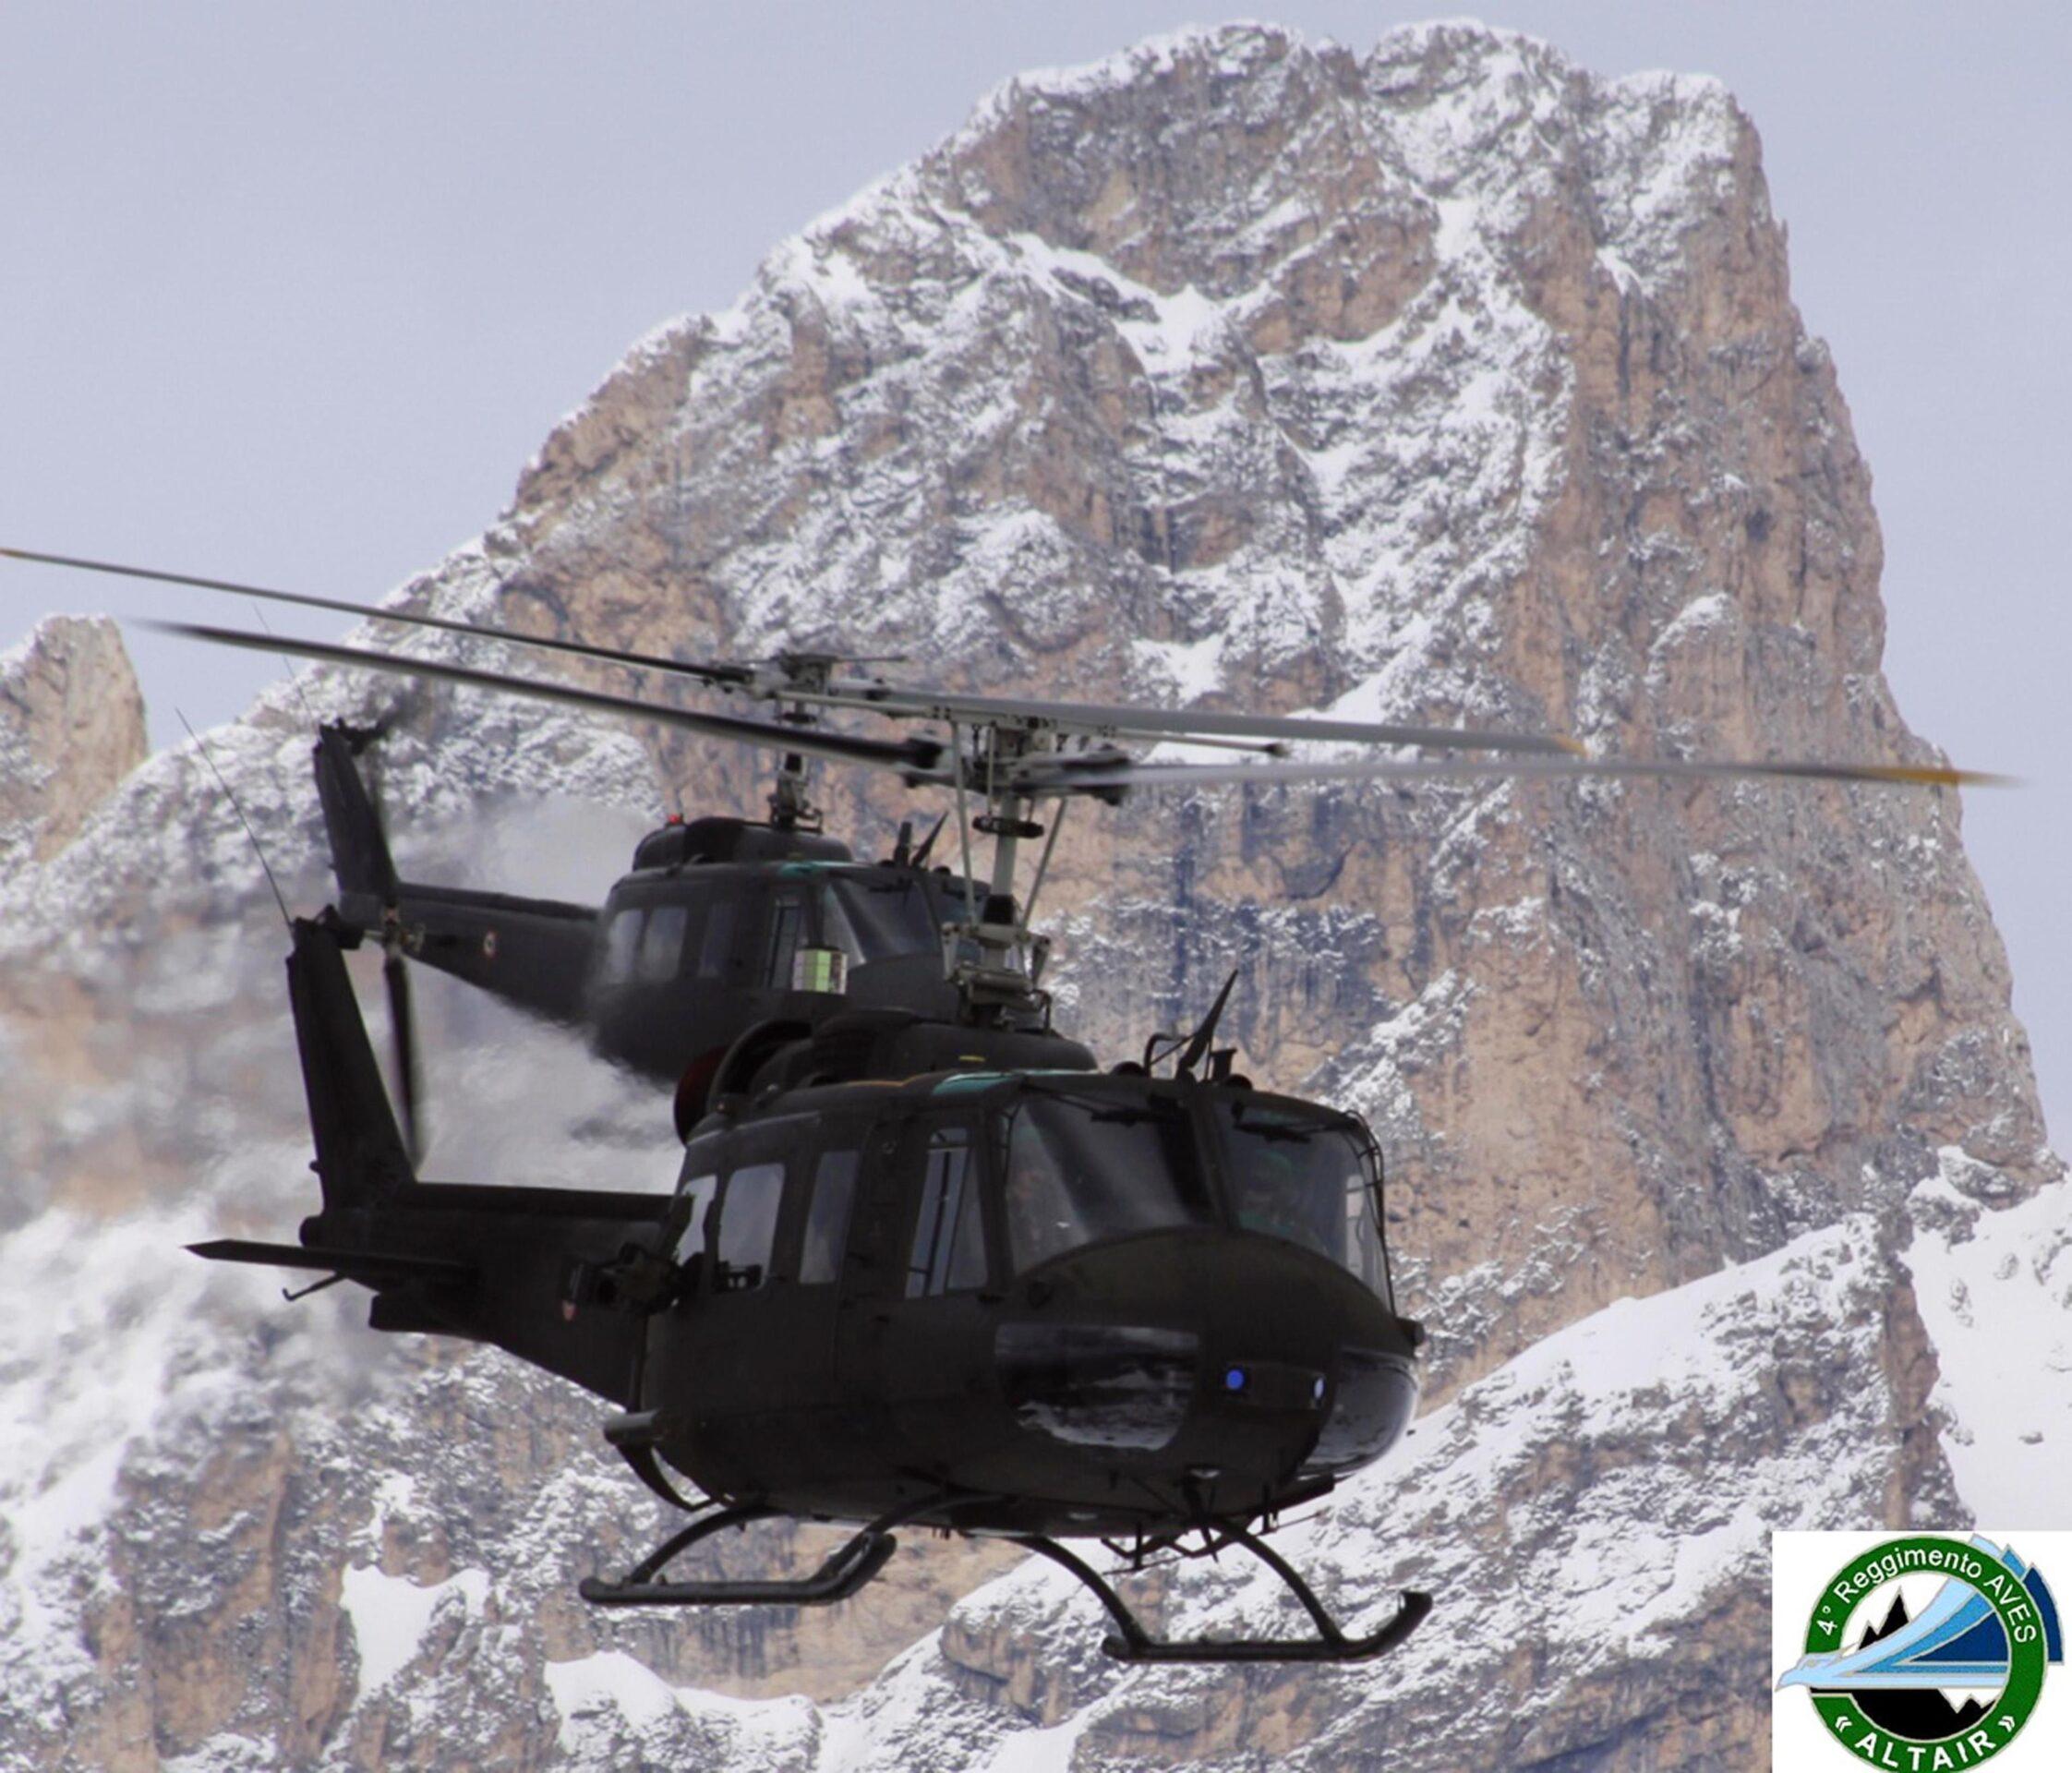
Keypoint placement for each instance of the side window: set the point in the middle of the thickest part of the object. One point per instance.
(698, 1191)
(834, 1196)
(662, 946)
(1366, 1254)
(717, 946)
(949, 1232)
(785, 915)
(621, 941)
(748, 1218)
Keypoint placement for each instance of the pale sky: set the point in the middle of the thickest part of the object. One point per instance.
(290, 296)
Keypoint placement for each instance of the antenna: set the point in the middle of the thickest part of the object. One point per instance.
(295, 677)
(1198, 1048)
(202, 745)
(920, 858)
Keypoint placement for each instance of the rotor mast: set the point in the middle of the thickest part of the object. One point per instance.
(990, 954)
(800, 681)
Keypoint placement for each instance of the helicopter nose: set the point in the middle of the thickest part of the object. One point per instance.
(1274, 1357)
(1300, 1343)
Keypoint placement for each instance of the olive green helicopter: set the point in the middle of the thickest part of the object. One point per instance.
(927, 1264)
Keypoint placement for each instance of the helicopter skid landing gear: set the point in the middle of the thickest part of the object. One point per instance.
(847, 1568)
(1330, 1644)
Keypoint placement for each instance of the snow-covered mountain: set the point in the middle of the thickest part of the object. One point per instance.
(1448, 379)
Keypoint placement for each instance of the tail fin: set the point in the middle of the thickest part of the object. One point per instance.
(561, 1277)
(535, 952)
(360, 1155)
(359, 852)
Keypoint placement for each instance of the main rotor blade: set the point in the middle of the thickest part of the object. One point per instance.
(724, 675)
(1112, 779)
(1112, 720)
(913, 758)
(873, 695)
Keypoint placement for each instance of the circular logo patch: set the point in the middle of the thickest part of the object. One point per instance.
(1925, 1653)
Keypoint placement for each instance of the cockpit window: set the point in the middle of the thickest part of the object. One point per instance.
(1082, 1171)
(1306, 1180)
(876, 920)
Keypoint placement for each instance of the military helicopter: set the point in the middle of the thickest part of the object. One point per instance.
(934, 1269)
(722, 924)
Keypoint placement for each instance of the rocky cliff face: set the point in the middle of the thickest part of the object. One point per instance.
(71, 726)
(1445, 380)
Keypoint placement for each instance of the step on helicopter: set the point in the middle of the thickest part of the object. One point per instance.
(927, 1264)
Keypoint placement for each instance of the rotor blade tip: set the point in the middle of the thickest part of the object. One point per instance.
(1946, 775)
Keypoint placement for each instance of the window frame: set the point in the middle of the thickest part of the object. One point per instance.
(832, 1133)
(618, 959)
(784, 930)
(661, 967)
(977, 1190)
(1210, 1210)
(1221, 1113)
(719, 921)
(720, 1158)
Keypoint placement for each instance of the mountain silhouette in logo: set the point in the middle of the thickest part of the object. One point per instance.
(1920, 1713)
(1895, 1616)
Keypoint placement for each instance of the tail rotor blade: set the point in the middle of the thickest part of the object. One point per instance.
(403, 1030)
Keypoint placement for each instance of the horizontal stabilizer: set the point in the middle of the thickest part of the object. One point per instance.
(367, 1266)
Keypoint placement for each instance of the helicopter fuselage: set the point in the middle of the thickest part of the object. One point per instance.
(721, 924)
(1060, 1303)
(687, 957)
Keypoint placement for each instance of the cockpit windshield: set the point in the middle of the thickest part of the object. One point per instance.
(1082, 1170)
(1306, 1180)
(875, 918)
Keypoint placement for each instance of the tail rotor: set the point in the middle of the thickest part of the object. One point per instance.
(403, 1033)
(375, 864)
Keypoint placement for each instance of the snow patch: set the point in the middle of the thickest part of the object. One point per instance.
(391, 1616)
(1714, 609)
(101, 1338)
(594, 1692)
(1994, 1290)
(1192, 667)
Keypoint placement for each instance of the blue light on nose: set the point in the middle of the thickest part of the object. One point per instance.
(1234, 1379)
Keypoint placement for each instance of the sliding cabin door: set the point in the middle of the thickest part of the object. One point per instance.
(915, 1331)
(758, 1342)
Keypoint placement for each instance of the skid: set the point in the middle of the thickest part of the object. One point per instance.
(1134, 1644)
(847, 1568)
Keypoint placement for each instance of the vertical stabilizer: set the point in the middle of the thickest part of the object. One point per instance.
(359, 852)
